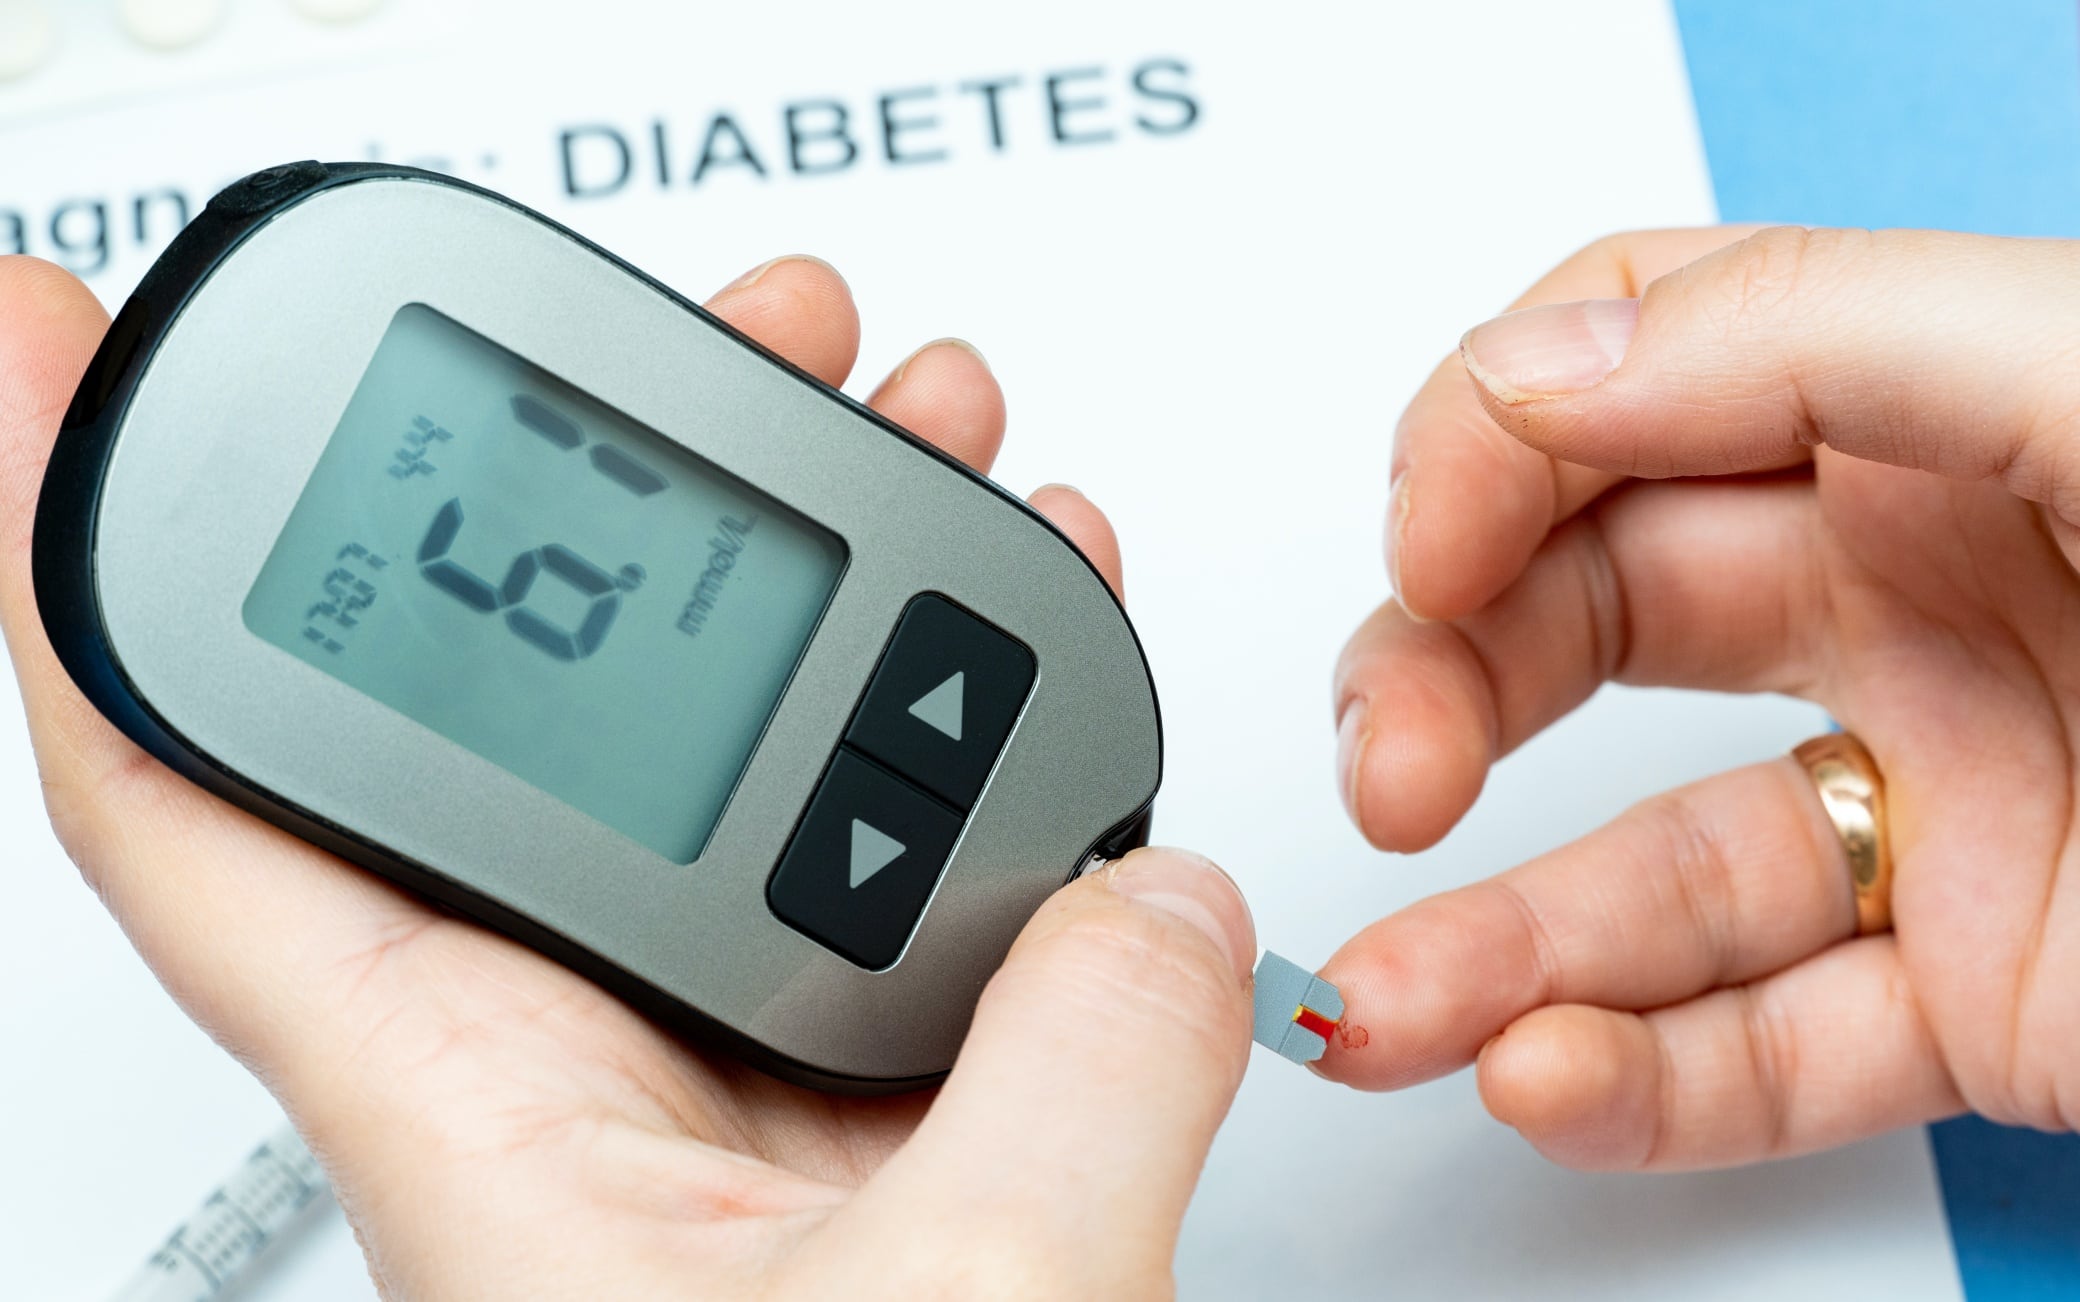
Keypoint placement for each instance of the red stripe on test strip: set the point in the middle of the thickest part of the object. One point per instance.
(1308, 1019)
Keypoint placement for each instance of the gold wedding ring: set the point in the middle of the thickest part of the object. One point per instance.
(1853, 792)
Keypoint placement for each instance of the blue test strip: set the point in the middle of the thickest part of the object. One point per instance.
(1296, 1010)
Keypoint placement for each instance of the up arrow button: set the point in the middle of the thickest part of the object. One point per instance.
(943, 701)
(941, 707)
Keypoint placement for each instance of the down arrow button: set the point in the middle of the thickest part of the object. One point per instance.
(872, 850)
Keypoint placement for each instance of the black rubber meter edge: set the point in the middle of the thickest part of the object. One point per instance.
(62, 564)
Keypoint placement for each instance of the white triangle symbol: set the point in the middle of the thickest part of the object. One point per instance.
(872, 850)
(941, 707)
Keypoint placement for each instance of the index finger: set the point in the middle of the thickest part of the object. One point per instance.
(1470, 504)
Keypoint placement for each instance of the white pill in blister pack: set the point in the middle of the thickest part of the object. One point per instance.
(336, 11)
(171, 24)
(27, 37)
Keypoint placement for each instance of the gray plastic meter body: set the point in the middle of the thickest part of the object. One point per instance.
(406, 519)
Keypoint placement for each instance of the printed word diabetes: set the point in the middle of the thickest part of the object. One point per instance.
(915, 125)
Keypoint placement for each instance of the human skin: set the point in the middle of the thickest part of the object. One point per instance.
(1842, 465)
(498, 1127)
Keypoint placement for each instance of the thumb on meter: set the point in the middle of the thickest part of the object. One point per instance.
(1103, 1056)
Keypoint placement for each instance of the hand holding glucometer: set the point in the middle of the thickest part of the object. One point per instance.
(338, 529)
(513, 577)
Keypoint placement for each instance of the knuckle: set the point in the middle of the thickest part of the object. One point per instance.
(1772, 1046)
(97, 789)
(1775, 255)
(1999, 1086)
(1592, 565)
(1549, 971)
(2041, 459)
(1752, 293)
(77, 806)
(1700, 872)
(1762, 277)
(2021, 1078)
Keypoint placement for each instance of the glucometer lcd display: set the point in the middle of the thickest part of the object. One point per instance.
(537, 577)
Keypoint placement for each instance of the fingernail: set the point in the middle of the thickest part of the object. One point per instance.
(1487, 1047)
(1193, 888)
(1353, 730)
(1397, 524)
(1550, 352)
(757, 273)
(971, 349)
(1061, 487)
(948, 342)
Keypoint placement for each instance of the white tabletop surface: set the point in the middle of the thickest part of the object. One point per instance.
(1210, 332)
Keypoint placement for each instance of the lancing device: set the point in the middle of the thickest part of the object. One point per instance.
(406, 519)
(222, 1240)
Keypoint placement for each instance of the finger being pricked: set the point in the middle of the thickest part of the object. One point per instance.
(1705, 889)
(1677, 989)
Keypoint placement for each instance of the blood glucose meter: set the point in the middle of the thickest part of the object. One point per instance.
(406, 519)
